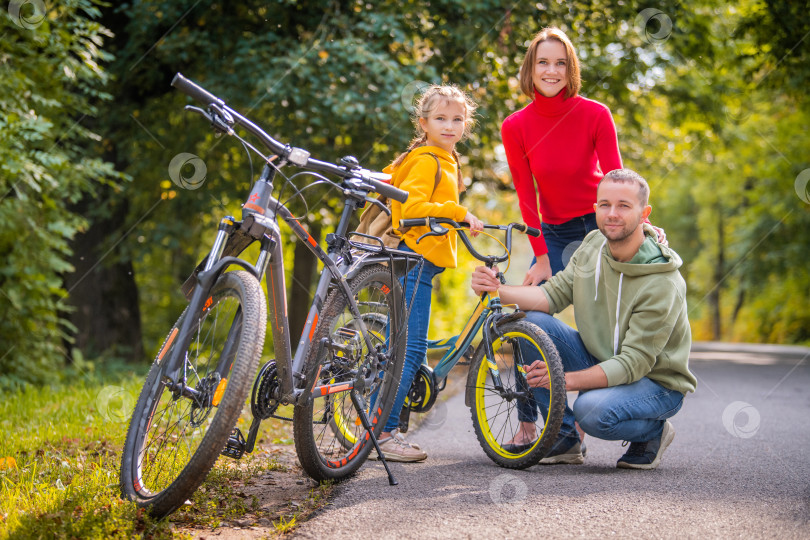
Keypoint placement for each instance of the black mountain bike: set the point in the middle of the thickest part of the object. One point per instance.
(344, 371)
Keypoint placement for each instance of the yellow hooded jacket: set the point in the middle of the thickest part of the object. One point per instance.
(417, 175)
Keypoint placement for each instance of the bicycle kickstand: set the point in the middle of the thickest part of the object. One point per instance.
(361, 412)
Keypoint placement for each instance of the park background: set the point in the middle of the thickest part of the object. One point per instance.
(709, 99)
(98, 229)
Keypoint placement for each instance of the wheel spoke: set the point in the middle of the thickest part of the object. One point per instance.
(174, 440)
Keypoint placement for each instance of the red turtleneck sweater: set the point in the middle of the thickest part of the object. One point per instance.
(558, 149)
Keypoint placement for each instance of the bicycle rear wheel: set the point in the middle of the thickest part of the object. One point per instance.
(175, 437)
(495, 409)
(343, 426)
(329, 438)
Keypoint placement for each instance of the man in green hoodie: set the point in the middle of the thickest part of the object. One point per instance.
(629, 359)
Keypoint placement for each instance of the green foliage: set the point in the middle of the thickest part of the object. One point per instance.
(709, 103)
(50, 84)
(722, 152)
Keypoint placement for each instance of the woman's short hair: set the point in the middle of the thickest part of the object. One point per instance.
(527, 69)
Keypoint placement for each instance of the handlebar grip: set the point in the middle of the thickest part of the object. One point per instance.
(531, 231)
(413, 222)
(388, 190)
(195, 91)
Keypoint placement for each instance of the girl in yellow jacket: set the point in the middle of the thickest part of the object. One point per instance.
(444, 115)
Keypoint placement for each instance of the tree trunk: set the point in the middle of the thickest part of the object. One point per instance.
(738, 306)
(305, 265)
(103, 293)
(719, 269)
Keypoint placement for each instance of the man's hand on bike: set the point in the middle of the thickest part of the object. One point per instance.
(537, 374)
(539, 272)
(476, 225)
(485, 280)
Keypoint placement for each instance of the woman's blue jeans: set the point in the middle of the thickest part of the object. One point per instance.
(563, 239)
(418, 323)
(632, 412)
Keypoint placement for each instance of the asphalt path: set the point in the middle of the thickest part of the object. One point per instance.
(739, 466)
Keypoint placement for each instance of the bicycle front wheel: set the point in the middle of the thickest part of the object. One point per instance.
(175, 435)
(497, 389)
(329, 437)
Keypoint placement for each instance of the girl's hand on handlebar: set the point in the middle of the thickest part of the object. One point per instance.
(476, 225)
(539, 272)
(485, 280)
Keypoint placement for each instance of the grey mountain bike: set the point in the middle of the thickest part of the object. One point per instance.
(343, 374)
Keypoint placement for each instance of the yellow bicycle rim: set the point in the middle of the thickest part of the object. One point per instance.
(481, 390)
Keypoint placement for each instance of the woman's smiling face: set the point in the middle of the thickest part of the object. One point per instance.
(550, 68)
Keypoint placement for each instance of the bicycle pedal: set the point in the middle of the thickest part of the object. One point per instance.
(346, 333)
(235, 447)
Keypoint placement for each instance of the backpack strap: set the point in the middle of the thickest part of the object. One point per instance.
(438, 171)
(403, 230)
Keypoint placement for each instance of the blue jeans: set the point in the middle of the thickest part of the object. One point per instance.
(418, 322)
(562, 240)
(632, 412)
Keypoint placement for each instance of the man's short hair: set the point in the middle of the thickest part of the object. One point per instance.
(629, 176)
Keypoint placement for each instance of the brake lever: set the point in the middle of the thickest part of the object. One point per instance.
(199, 111)
(433, 233)
(379, 203)
(219, 118)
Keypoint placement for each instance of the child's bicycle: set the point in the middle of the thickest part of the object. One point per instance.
(346, 358)
(496, 382)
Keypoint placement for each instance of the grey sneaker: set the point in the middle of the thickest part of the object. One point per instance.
(396, 448)
(647, 455)
(572, 455)
(399, 436)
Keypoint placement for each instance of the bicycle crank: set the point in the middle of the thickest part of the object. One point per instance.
(423, 391)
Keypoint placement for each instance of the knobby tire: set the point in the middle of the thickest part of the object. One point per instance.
(494, 412)
(173, 442)
(330, 441)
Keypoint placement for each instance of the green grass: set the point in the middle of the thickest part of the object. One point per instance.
(65, 446)
(60, 452)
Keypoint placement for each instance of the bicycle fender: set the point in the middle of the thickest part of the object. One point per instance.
(511, 317)
(236, 243)
(469, 395)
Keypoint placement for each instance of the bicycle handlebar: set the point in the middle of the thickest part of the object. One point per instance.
(296, 156)
(195, 91)
(531, 231)
(436, 229)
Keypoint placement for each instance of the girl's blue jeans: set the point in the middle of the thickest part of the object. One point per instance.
(632, 412)
(418, 322)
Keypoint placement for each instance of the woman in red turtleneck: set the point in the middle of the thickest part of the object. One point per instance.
(558, 148)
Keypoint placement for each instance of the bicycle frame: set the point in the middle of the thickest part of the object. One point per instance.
(260, 213)
(486, 316)
(458, 345)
